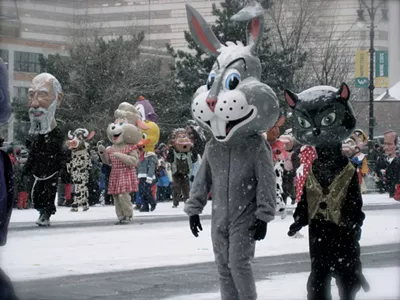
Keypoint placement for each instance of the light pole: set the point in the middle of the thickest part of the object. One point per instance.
(372, 9)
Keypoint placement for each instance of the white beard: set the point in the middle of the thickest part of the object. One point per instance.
(42, 124)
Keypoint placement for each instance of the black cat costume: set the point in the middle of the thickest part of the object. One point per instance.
(331, 203)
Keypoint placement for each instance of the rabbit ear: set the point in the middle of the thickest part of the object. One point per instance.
(254, 14)
(201, 32)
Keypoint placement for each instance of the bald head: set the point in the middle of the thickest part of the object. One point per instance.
(390, 142)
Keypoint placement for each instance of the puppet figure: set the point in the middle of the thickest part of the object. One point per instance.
(237, 162)
(148, 166)
(181, 156)
(331, 202)
(123, 157)
(359, 158)
(146, 110)
(46, 156)
(279, 155)
(79, 166)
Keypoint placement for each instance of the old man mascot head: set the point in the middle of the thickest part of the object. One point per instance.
(237, 165)
(45, 95)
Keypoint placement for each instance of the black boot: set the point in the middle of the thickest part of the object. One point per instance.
(144, 208)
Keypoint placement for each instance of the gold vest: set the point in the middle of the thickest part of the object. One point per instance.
(327, 206)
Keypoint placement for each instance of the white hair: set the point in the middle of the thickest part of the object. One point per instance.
(43, 77)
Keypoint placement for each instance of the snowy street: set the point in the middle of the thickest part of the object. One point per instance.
(157, 257)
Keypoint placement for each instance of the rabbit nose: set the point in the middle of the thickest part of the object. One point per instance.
(316, 131)
(211, 102)
(112, 127)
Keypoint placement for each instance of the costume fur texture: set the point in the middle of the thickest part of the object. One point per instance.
(331, 203)
(237, 165)
(123, 157)
(79, 166)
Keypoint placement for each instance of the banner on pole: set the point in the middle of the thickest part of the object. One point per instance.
(381, 69)
(362, 68)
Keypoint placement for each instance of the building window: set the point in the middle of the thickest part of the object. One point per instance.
(20, 93)
(26, 62)
(4, 56)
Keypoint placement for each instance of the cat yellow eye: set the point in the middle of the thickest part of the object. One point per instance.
(303, 122)
(328, 119)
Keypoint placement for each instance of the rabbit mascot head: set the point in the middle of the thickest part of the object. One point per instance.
(233, 103)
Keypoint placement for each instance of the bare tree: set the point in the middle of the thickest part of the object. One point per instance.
(304, 27)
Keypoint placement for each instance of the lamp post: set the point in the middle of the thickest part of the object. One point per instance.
(372, 9)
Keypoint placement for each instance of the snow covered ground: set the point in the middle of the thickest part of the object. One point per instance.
(163, 209)
(52, 252)
(274, 288)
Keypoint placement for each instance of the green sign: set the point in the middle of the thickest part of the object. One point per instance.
(362, 82)
(381, 69)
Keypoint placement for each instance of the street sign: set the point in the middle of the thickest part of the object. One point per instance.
(381, 69)
(362, 68)
(362, 82)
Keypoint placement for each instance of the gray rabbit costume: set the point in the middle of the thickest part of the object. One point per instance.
(237, 164)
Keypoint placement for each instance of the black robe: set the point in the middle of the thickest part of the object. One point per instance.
(46, 159)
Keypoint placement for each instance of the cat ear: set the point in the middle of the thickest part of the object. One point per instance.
(291, 98)
(344, 92)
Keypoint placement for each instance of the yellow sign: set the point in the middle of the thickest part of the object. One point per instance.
(362, 63)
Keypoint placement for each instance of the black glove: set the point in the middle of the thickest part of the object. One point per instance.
(294, 228)
(195, 225)
(260, 228)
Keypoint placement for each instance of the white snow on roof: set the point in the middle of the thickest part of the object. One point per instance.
(394, 92)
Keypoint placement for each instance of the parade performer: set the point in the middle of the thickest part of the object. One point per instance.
(237, 162)
(279, 155)
(46, 156)
(331, 202)
(146, 110)
(6, 184)
(291, 164)
(123, 157)
(148, 166)
(181, 156)
(79, 166)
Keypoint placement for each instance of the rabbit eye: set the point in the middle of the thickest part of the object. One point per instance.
(210, 80)
(232, 81)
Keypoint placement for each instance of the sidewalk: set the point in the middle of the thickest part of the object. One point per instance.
(105, 215)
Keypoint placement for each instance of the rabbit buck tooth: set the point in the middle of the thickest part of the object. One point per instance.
(219, 127)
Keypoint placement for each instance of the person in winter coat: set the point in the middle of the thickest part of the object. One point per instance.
(94, 179)
(392, 172)
(196, 135)
(164, 174)
(6, 185)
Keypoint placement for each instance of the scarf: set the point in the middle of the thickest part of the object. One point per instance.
(307, 156)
